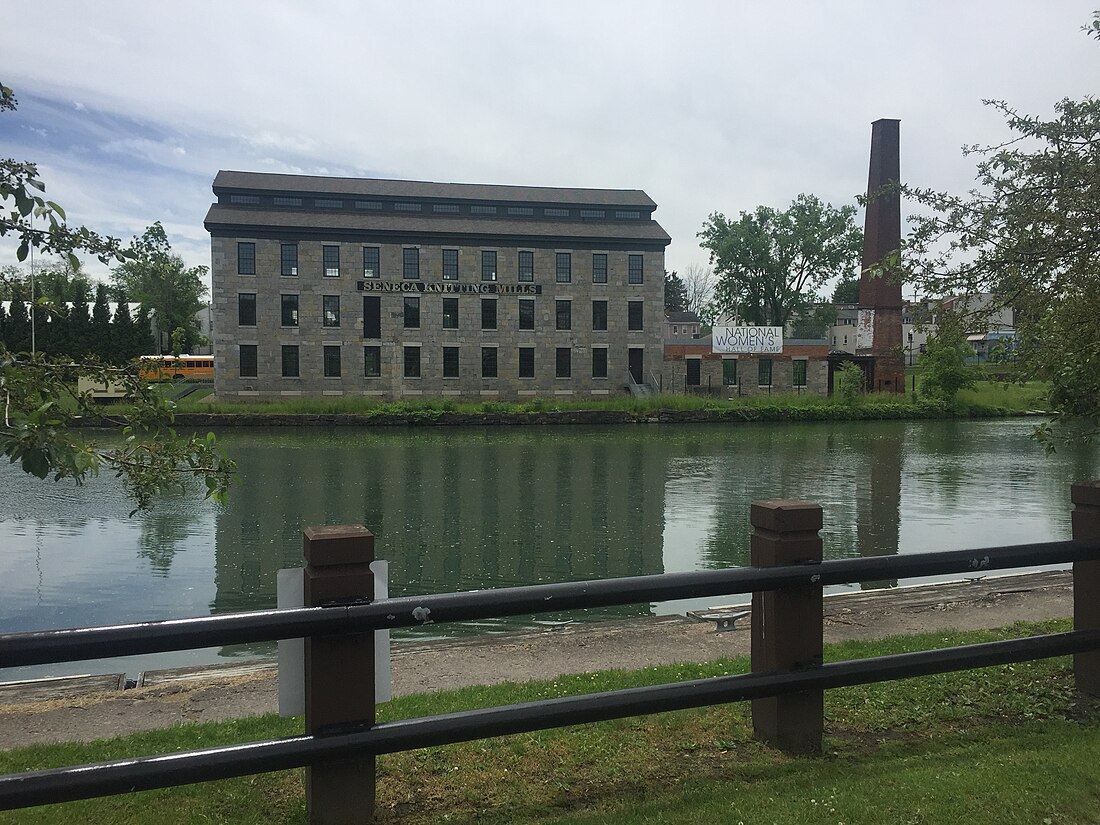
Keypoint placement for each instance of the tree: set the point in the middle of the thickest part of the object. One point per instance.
(675, 293)
(943, 366)
(1030, 235)
(124, 345)
(80, 326)
(846, 291)
(699, 290)
(770, 263)
(100, 341)
(42, 405)
(17, 336)
(161, 282)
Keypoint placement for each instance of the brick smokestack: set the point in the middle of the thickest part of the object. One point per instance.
(881, 236)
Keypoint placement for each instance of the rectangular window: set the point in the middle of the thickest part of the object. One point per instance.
(526, 267)
(248, 361)
(488, 362)
(372, 362)
(246, 258)
(555, 212)
(694, 376)
(634, 269)
(368, 204)
(332, 362)
(282, 200)
(764, 372)
(483, 210)
(488, 265)
(599, 268)
(290, 361)
(563, 362)
(330, 310)
(247, 200)
(450, 362)
(410, 264)
(627, 214)
(450, 313)
(328, 203)
(412, 312)
(563, 314)
(289, 310)
(449, 208)
(634, 315)
(729, 372)
(525, 211)
(488, 313)
(599, 362)
(526, 362)
(599, 315)
(246, 309)
(372, 267)
(450, 264)
(526, 313)
(331, 259)
(563, 267)
(288, 256)
(406, 206)
(412, 362)
(799, 373)
(372, 316)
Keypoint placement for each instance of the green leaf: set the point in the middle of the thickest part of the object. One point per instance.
(21, 253)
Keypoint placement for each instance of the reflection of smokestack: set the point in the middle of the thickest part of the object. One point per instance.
(878, 513)
(882, 236)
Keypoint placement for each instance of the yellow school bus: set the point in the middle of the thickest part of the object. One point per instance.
(176, 367)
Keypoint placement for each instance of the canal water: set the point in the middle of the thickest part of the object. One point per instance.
(464, 508)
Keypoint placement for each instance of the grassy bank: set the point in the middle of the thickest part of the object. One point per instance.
(1006, 744)
(984, 402)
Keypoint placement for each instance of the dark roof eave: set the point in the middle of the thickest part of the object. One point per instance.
(218, 223)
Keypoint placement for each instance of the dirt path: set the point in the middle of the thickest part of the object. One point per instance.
(179, 697)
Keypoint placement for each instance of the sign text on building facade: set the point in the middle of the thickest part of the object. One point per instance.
(747, 339)
(450, 288)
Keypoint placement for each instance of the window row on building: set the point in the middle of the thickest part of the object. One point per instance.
(448, 264)
(411, 313)
(452, 365)
(764, 368)
(487, 210)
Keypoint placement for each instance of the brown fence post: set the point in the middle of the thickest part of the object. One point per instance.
(1086, 583)
(339, 691)
(787, 624)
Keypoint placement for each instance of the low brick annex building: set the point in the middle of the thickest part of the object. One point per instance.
(401, 288)
(692, 367)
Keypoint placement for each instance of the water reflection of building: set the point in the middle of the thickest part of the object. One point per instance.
(453, 510)
(854, 472)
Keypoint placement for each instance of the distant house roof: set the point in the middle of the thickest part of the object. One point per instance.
(681, 317)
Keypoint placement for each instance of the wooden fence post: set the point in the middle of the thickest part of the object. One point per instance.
(339, 690)
(1086, 583)
(787, 624)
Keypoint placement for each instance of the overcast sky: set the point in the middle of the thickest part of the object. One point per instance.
(130, 108)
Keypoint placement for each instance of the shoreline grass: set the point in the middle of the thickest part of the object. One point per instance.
(1008, 744)
(986, 402)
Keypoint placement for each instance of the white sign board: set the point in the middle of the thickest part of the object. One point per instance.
(290, 592)
(747, 339)
(865, 329)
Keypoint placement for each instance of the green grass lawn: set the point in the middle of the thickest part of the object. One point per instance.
(1011, 744)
